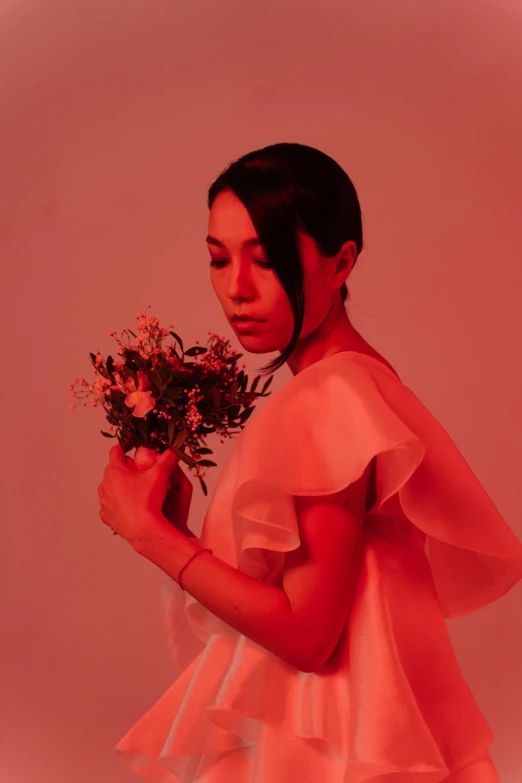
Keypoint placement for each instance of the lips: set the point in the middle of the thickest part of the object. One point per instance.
(246, 326)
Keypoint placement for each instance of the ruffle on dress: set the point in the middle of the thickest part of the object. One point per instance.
(391, 704)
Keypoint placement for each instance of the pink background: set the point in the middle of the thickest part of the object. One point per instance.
(115, 116)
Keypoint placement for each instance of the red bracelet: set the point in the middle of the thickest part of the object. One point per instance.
(190, 561)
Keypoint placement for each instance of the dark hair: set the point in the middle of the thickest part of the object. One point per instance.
(289, 187)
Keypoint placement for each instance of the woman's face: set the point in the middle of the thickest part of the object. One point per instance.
(244, 286)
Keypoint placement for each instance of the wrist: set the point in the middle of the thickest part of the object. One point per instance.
(155, 533)
(165, 546)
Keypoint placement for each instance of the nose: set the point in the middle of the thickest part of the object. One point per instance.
(240, 289)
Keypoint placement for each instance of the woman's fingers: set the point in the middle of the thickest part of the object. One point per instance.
(179, 479)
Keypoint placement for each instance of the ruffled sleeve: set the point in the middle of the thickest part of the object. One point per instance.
(318, 434)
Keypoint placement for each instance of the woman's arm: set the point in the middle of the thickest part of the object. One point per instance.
(259, 611)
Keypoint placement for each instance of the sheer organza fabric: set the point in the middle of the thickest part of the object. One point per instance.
(391, 705)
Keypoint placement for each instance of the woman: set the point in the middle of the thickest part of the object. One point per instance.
(312, 643)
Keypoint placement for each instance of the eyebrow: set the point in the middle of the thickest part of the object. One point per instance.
(253, 242)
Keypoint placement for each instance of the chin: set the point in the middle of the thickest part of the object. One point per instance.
(252, 344)
(252, 348)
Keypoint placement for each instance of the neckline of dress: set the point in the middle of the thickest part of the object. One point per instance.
(356, 353)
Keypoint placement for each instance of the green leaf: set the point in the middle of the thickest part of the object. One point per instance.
(246, 414)
(130, 362)
(215, 396)
(195, 351)
(267, 384)
(190, 461)
(173, 393)
(180, 438)
(179, 340)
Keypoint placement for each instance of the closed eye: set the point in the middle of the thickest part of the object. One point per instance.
(262, 264)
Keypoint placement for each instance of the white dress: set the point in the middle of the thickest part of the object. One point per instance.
(391, 705)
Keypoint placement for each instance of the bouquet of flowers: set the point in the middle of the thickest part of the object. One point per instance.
(156, 400)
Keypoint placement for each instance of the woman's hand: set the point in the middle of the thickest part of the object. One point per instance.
(177, 503)
(132, 499)
(179, 496)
